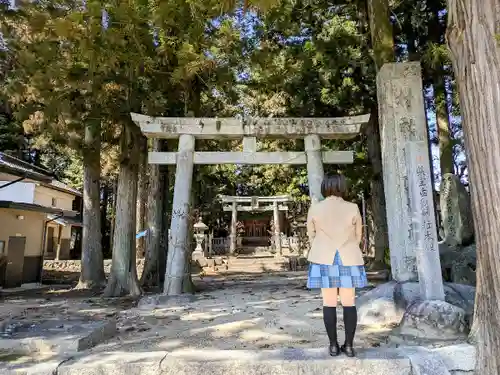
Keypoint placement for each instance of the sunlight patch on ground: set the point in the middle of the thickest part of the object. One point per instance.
(205, 315)
(229, 328)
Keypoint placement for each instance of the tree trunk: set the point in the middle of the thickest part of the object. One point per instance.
(377, 215)
(92, 265)
(443, 124)
(381, 32)
(123, 278)
(104, 217)
(151, 273)
(113, 217)
(142, 196)
(383, 52)
(473, 38)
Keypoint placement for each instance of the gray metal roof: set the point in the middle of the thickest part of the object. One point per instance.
(18, 167)
(38, 208)
(63, 187)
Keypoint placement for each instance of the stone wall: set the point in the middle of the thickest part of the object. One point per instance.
(74, 266)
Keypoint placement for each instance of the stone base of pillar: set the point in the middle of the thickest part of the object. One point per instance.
(232, 244)
(198, 254)
(418, 321)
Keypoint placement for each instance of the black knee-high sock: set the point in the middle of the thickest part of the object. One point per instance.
(330, 319)
(350, 322)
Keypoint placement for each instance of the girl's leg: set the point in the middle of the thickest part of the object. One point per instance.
(347, 298)
(330, 296)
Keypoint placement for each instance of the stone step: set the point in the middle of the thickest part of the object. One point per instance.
(244, 262)
(255, 265)
(207, 361)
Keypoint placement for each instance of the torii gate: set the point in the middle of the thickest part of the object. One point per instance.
(238, 203)
(186, 129)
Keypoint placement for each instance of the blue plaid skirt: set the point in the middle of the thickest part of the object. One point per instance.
(336, 275)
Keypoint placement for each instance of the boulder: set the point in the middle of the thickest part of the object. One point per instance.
(387, 303)
(456, 213)
(433, 320)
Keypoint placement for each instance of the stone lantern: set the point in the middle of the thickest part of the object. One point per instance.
(199, 235)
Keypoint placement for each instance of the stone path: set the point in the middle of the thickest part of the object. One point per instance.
(274, 313)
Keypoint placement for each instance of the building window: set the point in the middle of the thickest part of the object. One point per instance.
(54, 202)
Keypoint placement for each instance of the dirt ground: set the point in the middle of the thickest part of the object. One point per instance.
(238, 312)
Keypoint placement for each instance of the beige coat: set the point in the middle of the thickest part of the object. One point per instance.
(334, 224)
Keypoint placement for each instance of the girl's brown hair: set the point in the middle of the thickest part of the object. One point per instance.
(334, 185)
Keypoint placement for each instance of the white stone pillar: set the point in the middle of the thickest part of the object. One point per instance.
(210, 244)
(233, 235)
(178, 244)
(277, 230)
(315, 171)
(407, 178)
(424, 221)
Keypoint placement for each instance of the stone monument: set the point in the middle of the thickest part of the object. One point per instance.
(411, 222)
(456, 213)
(413, 238)
(457, 250)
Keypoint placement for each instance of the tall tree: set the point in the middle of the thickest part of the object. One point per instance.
(53, 84)
(142, 197)
(383, 52)
(92, 267)
(473, 38)
(151, 272)
(437, 66)
(443, 122)
(123, 278)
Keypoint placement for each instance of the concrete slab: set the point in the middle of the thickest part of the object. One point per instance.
(23, 288)
(57, 337)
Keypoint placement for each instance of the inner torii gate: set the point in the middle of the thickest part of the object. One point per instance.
(238, 203)
(186, 129)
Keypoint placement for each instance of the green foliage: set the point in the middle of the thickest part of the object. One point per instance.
(11, 135)
(304, 58)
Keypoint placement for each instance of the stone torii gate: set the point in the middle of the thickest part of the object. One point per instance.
(238, 203)
(312, 130)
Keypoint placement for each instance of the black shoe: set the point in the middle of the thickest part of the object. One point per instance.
(334, 350)
(348, 350)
